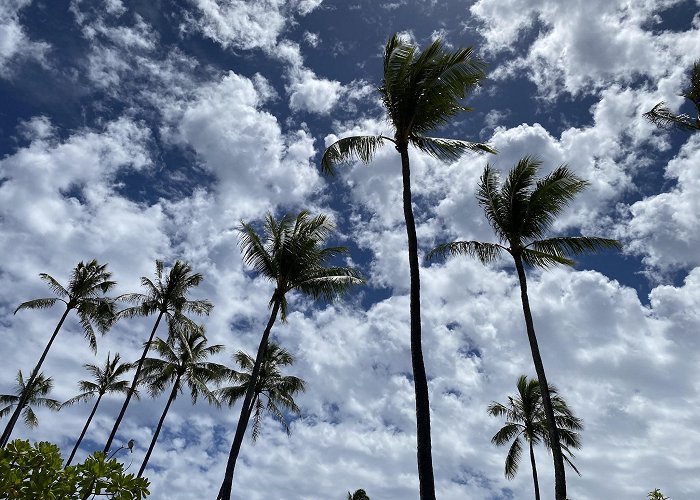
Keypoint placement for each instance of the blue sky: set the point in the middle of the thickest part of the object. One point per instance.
(136, 131)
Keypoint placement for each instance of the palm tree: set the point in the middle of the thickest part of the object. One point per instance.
(289, 254)
(167, 296)
(521, 212)
(278, 389)
(34, 396)
(87, 282)
(420, 92)
(525, 418)
(182, 362)
(358, 495)
(663, 117)
(106, 380)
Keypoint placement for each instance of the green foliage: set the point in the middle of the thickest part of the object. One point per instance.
(36, 471)
(657, 495)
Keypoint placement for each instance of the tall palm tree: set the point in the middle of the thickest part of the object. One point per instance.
(86, 284)
(182, 362)
(525, 418)
(663, 117)
(167, 296)
(358, 495)
(106, 380)
(420, 92)
(34, 395)
(521, 212)
(277, 389)
(290, 255)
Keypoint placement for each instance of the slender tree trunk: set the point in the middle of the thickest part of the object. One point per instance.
(85, 428)
(134, 383)
(559, 473)
(420, 380)
(225, 491)
(534, 472)
(173, 393)
(27, 388)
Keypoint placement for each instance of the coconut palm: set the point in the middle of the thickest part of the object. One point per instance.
(290, 255)
(420, 92)
(663, 117)
(182, 362)
(277, 389)
(525, 418)
(358, 495)
(86, 284)
(167, 297)
(106, 380)
(521, 211)
(34, 396)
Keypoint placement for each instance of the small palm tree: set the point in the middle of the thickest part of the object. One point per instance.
(182, 362)
(525, 418)
(84, 292)
(663, 117)
(656, 495)
(521, 213)
(34, 395)
(277, 389)
(167, 296)
(289, 255)
(420, 92)
(106, 380)
(358, 495)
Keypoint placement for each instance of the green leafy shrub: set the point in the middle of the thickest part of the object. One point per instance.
(36, 471)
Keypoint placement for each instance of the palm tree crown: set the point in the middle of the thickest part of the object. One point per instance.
(290, 255)
(663, 117)
(358, 495)
(525, 418)
(278, 389)
(521, 212)
(35, 397)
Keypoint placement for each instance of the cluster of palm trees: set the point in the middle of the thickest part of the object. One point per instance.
(421, 91)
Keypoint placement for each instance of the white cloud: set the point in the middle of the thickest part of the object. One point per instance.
(14, 42)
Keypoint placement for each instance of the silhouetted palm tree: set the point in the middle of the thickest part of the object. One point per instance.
(358, 495)
(87, 282)
(525, 418)
(167, 296)
(521, 213)
(34, 395)
(289, 254)
(277, 389)
(183, 361)
(663, 117)
(420, 92)
(106, 379)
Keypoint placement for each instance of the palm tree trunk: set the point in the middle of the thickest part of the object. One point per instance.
(534, 471)
(133, 385)
(85, 428)
(225, 491)
(27, 388)
(173, 393)
(420, 380)
(559, 474)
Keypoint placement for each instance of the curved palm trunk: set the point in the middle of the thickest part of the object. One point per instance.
(534, 472)
(133, 385)
(246, 409)
(173, 393)
(25, 394)
(559, 474)
(85, 428)
(420, 380)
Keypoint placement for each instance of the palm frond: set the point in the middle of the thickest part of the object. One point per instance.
(347, 148)
(54, 285)
(485, 252)
(661, 116)
(513, 459)
(37, 304)
(449, 150)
